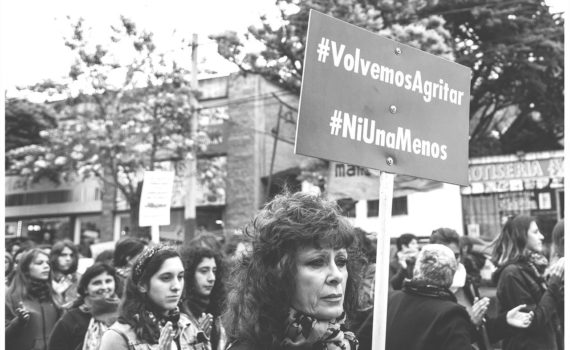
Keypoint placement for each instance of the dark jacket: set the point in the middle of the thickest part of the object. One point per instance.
(32, 334)
(69, 332)
(419, 322)
(519, 284)
(399, 274)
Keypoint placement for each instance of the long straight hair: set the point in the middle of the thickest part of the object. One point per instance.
(20, 286)
(510, 245)
(56, 251)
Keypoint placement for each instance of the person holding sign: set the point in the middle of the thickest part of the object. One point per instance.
(296, 287)
(518, 253)
(149, 316)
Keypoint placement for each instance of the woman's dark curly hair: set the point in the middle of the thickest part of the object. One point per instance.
(192, 257)
(262, 282)
(136, 307)
(56, 251)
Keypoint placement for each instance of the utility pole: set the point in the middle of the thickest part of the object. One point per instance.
(192, 161)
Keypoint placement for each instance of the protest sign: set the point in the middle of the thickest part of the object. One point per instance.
(156, 198)
(373, 102)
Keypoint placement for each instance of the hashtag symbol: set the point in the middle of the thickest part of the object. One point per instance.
(323, 50)
(336, 122)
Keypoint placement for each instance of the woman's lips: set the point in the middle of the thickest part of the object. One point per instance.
(333, 297)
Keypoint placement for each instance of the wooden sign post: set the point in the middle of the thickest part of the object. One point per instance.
(382, 260)
(372, 102)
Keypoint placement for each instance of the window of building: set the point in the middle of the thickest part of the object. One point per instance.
(38, 198)
(373, 208)
(399, 207)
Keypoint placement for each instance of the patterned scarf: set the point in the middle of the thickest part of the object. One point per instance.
(306, 332)
(538, 262)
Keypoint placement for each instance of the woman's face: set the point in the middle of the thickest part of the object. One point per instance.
(320, 282)
(65, 259)
(101, 286)
(534, 238)
(165, 286)
(412, 247)
(205, 276)
(39, 268)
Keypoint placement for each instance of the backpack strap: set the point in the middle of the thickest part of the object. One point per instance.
(130, 345)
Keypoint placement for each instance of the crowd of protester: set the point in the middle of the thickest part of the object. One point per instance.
(299, 277)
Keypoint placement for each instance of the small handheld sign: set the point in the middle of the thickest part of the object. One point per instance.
(156, 197)
(373, 102)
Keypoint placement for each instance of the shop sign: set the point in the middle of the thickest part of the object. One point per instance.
(515, 176)
(516, 170)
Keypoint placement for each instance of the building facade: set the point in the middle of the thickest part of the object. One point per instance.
(501, 186)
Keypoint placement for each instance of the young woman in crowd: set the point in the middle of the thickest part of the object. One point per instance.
(82, 326)
(126, 251)
(63, 260)
(31, 312)
(298, 285)
(205, 294)
(149, 316)
(518, 254)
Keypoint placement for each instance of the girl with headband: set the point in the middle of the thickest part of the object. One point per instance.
(149, 317)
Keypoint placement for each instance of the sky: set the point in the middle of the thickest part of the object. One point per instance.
(31, 31)
(32, 48)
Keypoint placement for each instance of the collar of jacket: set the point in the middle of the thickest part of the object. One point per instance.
(428, 290)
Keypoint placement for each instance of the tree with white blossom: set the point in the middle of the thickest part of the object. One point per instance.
(123, 109)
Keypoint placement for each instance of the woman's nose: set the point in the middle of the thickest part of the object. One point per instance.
(177, 284)
(211, 276)
(335, 275)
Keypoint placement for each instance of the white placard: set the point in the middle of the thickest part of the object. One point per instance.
(156, 197)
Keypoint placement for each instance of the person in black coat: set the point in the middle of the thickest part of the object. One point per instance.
(97, 299)
(517, 252)
(425, 314)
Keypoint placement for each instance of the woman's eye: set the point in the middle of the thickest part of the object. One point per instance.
(317, 262)
(165, 278)
(341, 262)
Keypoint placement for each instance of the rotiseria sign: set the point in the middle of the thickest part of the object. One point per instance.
(516, 170)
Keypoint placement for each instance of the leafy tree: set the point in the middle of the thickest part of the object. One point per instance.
(24, 122)
(126, 109)
(281, 60)
(515, 49)
(516, 52)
